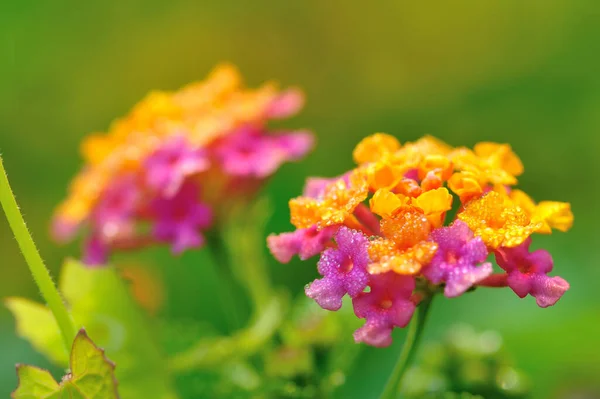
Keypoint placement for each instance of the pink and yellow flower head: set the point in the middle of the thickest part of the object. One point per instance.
(167, 170)
(385, 238)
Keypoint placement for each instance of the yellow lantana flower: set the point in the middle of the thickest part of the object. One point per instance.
(466, 185)
(493, 163)
(550, 214)
(498, 220)
(374, 147)
(434, 204)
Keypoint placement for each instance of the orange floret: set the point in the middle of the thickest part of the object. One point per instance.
(466, 185)
(501, 156)
(493, 163)
(407, 227)
(386, 163)
(96, 147)
(84, 191)
(411, 155)
(386, 256)
(434, 170)
(384, 174)
(198, 96)
(428, 145)
(405, 249)
(374, 147)
(336, 207)
(498, 220)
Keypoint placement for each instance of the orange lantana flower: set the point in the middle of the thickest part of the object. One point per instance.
(404, 248)
(335, 207)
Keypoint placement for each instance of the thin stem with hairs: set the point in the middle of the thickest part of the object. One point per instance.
(38, 269)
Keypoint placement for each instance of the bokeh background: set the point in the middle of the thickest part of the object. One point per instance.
(523, 72)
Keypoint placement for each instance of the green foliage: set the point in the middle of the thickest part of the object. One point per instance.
(304, 352)
(36, 323)
(315, 353)
(214, 351)
(34, 383)
(465, 361)
(452, 395)
(92, 376)
(289, 362)
(100, 301)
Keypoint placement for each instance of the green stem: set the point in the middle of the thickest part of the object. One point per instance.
(38, 270)
(415, 330)
(212, 352)
(225, 279)
(246, 245)
(238, 251)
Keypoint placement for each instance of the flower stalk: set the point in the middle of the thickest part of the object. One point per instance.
(411, 343)
(243, 238)
(38, 269)
(225, 281)
(238, 255)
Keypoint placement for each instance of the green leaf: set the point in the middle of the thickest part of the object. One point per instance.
(101, 301)
(36, 323)
(34, 383)
(91, 372)
(92, 376)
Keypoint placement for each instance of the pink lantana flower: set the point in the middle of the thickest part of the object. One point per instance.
(180, 219)
(456, 261)
(305, 243)
(387, 305)
(344, 270)
(169, 166)
(249, 152)
(528, 274)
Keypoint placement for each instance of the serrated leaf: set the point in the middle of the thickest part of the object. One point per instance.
(101, 302)
(36, 323)
(92, 376)
(91, 372)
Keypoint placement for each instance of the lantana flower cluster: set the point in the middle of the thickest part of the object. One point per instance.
(415, 218)
(162, 173)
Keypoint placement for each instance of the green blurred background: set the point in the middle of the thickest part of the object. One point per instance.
(523, 72)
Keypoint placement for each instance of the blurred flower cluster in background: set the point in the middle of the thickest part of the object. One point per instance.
(465, 71)
(176, 162)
